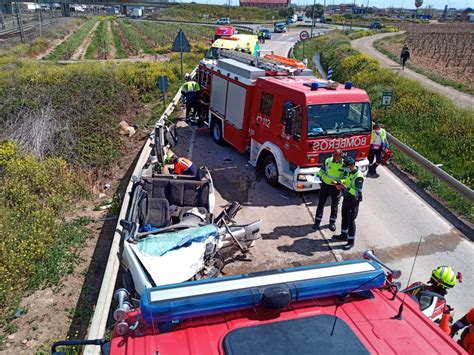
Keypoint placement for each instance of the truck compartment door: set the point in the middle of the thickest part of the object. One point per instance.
(219, 95)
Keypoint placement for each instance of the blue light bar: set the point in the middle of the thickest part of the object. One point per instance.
(206, 297)
(348, 85)
(314, 86)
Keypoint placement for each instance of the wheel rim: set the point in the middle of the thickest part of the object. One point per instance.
(216, 131)
(271, 171)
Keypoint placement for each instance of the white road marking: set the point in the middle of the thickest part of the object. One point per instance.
(191, 145)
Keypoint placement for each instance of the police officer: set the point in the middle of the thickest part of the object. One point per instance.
(351, 185)
(330, 174)
(189, 90)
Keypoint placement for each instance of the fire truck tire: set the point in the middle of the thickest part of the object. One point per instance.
(216, 131)
(270, 169)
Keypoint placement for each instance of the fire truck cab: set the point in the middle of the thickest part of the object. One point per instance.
(287, 119)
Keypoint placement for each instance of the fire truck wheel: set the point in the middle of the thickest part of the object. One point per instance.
(216, 131)
(270, 169)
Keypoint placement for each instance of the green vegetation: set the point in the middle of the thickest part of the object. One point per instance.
(210, 13)
(426, 121)
(67, 48)
(91, 50)
(164, 34)
(37, 245)
(380, 46)
(119, 51)
(135, 40)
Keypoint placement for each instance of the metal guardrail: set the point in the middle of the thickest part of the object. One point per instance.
(439, 173)
(102, 308)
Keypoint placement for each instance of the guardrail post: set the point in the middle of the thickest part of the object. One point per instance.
(435, 170)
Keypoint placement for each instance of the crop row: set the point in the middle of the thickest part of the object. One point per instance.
(67, 48)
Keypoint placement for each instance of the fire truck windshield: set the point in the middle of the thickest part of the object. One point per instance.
(330, 119)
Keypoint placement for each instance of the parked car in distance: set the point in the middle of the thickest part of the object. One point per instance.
(300, 18)
(266, 33)
(375, 26)
(279, 27)
(223, 21)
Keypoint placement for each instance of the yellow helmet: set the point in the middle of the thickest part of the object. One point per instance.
(444, 276)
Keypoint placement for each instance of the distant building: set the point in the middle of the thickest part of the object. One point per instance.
(265, 3)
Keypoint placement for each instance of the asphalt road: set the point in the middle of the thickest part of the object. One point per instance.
(391, 220)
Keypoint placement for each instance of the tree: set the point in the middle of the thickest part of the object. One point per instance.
(286, 11)
(318, 11)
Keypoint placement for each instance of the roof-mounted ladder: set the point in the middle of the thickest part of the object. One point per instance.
(263, 63)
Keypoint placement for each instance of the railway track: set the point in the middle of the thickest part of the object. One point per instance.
(27, 29)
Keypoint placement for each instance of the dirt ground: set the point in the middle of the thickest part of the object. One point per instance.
(394, 45)
(112, 51)
(57, 313)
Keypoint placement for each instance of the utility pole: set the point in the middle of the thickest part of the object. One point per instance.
(40, 19)
(312, 19)
(19, 22)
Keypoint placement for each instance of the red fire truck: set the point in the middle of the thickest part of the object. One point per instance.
(289, 120)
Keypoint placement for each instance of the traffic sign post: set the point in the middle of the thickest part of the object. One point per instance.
(181, 45)
(387, 98)
(162, 84)
(304, 35)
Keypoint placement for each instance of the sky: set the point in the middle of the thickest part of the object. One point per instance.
(407, 4)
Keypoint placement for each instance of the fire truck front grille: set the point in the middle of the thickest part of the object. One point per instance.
(350, 153)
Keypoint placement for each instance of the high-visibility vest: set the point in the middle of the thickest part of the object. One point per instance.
(190, 86)
(383, 136)
(350, 180)
(182, 165)
(334, 171)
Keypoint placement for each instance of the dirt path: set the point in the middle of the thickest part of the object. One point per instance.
(112, 51)
(58, 41)
(365, 45)
(81, 50)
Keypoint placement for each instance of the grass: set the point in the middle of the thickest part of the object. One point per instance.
(380, 46)
(67, 48)
(94, 44)
(428, 122)
(164, 34)
(119, 50)
(136, 42)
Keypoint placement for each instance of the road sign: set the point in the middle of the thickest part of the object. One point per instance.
(304, 35)
(181, 43)
(387, 98)
(162, 83)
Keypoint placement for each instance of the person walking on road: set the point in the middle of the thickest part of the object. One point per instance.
(330, 175)
(404, 55)
(189, 90)
(378, 142)
(351, 185)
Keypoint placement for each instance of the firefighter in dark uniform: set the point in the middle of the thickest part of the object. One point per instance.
(330, 175)
(351, 185)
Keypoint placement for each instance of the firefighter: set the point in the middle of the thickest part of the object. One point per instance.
(330, 174)
(183, 166)
(467, 336)
(189, 90)
(378, 142)
(351, 185)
